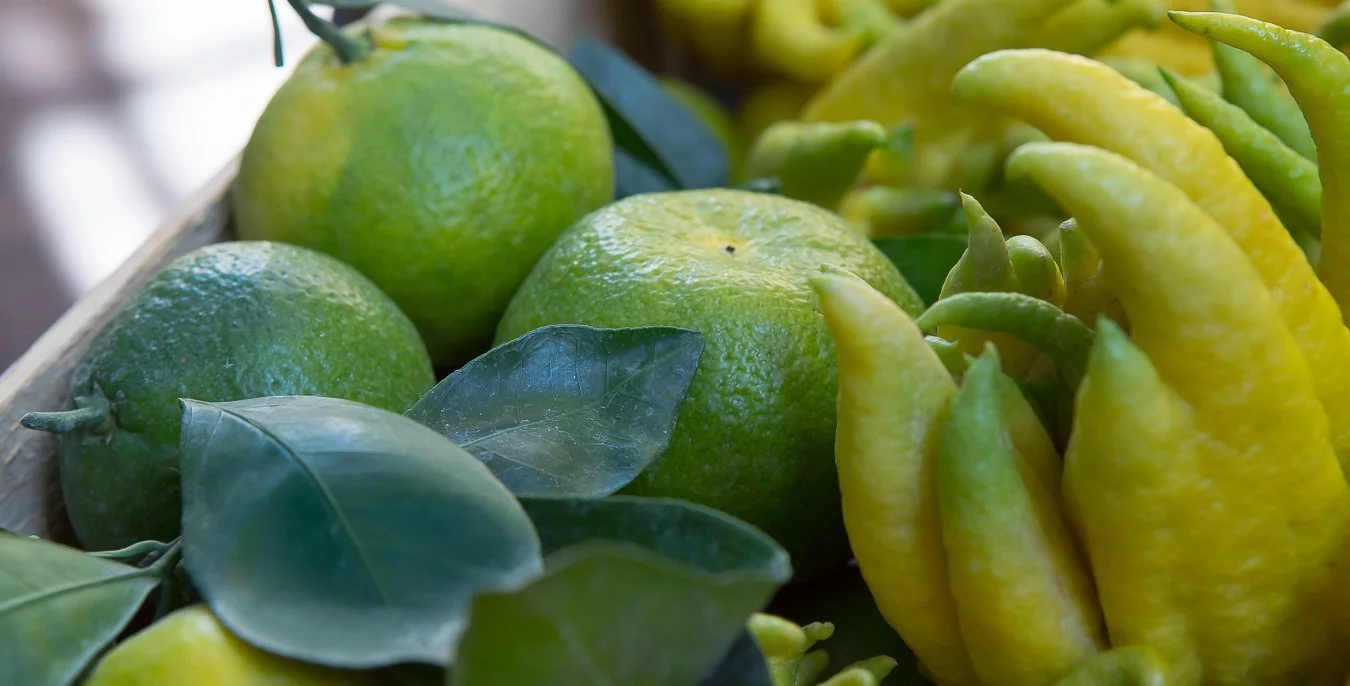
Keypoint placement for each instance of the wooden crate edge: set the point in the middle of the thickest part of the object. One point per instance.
(29, 488)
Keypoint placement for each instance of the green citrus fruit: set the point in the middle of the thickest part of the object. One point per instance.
(755, 435)
(231, 321)
(441, 164)
(190, 647)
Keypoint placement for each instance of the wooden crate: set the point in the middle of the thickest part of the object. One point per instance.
(30, 497)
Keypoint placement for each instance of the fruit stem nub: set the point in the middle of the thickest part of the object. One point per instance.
(348, 48)
(84, 419)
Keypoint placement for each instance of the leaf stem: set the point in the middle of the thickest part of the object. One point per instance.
(348, 49)
(163, 567)
(134, 551)
(85, 419)
(278, 56)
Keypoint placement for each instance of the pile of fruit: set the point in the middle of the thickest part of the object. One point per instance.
(1009, 340)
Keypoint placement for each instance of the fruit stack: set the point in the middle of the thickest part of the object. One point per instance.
(1006, 334)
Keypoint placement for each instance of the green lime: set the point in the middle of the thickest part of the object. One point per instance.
(755, 436)
(229, 321)
(441, 164)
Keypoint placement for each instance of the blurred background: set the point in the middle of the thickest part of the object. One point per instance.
(112, 112)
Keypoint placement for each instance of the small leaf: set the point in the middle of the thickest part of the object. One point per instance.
(924, 260)
(648, 122)
(341, 534)
(681, 531)
(610, 613)
(743, 665)
(59, 608)
(567, 411)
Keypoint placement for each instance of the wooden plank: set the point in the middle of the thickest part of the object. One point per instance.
(29, 489)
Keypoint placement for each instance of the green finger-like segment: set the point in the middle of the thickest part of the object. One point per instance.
(1037, 272)
(1249, 84)
(1128, 666)
(1059, 335)
(871, 17)
(1087, 294)
(1336, 28)
(1143, 72)
(1078, 257)
(985, 266)
(1130, 472)
(94, 419)
(950, 353)
(1318, 76)
(1087, 26)
(1289, 180)
(1029, 436)
(1019, 588)
(815, 162)
(891, 211)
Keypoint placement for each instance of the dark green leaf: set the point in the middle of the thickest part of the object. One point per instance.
(743, 665)
(924, 260)
(610, 613)
(341, 534)
(691, 534)
(648, 122)
(633, 177)
(567, 410)
(59, 608)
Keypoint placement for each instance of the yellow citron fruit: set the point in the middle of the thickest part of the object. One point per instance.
(1078, 100)
(191, 647)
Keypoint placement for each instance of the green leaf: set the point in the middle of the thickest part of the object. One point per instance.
(341, 534)
(567, 410)
(632, 176)
(924, 260)
(59, 608)
(743, 665)
(610, 613)
(648, 123)
(695, 535)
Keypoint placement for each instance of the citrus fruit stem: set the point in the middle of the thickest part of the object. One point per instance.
(90, 419)
(348, 49)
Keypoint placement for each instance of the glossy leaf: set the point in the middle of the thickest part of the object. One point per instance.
(611, 613)
(59, 608)
(341, 534)
(674, 529)
(924, 260)
(567, 410)
(647, 122)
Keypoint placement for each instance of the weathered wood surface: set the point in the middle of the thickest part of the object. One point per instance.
(29, 491)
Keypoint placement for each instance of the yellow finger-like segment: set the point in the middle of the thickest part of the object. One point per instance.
(1128, 666)
(1075, 99)
(1268, 533)
(894, 394)
(1026, 606)
(906, 76)
(1130, 477)
(1087, 26)
(1190, 293)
